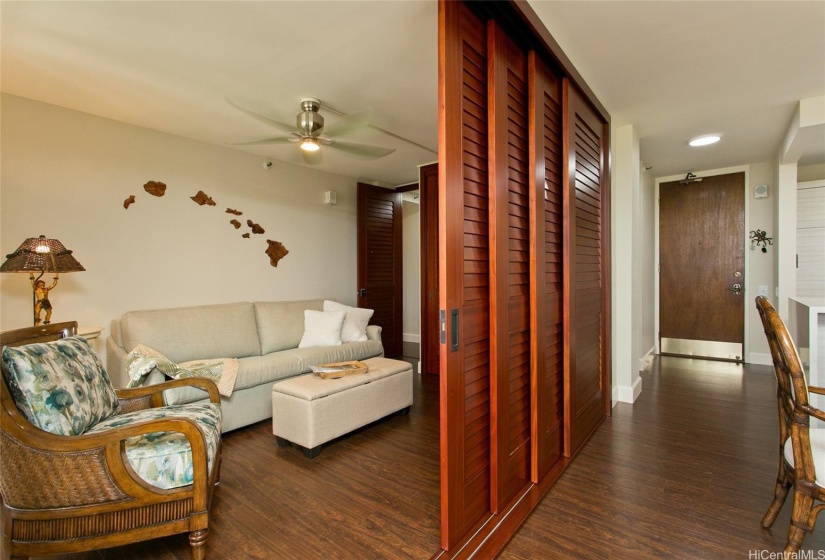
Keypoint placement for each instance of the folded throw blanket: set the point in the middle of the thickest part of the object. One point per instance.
(142, 360)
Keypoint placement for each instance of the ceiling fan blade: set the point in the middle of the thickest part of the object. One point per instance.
(312, 158)
(279, 125)
(349, 124)
(268, 141)
(364, 150)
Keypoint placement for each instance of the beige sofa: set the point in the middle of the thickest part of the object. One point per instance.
(264, 336)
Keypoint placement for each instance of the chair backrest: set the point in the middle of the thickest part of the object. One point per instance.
(59, 385)
(44, 333)
(792, 389)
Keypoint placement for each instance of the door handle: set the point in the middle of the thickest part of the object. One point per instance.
(736, 289)
(362, 292)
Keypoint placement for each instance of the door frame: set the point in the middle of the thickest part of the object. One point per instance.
(709, 173)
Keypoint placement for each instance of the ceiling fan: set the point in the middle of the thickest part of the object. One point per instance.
(310, 133)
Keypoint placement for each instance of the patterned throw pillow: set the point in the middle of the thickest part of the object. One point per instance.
(61, 386)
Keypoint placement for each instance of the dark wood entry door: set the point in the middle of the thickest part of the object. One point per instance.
(702, 260)
(379, 262)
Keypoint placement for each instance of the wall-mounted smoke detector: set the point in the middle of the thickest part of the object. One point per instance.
(705, 140)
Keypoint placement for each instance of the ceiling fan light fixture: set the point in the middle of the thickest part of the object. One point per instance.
(310, 145)
(705, 140)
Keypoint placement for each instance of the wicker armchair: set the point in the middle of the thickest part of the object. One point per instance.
(72, 493)
(800, 448)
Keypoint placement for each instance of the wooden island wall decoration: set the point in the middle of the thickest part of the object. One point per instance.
(275, 249)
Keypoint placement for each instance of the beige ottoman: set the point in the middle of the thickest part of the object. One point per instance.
(310, 411)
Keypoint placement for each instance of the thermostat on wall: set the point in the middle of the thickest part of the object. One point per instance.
(760, 191)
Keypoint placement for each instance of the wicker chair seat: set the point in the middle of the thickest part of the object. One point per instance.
(164, 459)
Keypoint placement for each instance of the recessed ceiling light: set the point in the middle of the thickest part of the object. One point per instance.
(705, 140)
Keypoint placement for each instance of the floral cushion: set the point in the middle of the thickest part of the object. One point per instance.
(60, 386)
(164, 459)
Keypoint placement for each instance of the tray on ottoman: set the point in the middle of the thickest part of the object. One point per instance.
(310, 411)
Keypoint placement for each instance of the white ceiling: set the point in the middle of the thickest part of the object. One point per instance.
(672, 69)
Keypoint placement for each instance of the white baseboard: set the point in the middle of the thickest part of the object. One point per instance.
(630, 394)
(760, 359)
(409, 337)
(614, 397)
(647, 358)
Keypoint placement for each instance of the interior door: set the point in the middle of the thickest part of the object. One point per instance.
(702, 263)
(379, 262)
(428, 188)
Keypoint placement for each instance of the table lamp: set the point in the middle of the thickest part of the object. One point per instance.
(39, 254)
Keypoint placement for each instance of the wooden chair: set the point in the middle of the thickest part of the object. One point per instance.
(64, 494)
(800, 449)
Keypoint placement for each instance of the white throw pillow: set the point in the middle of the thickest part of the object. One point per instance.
(355, 321)
(322, 328)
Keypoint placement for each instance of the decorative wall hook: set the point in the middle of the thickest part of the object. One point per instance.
(760, 237)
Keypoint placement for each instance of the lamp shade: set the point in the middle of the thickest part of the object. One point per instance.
(39, 254)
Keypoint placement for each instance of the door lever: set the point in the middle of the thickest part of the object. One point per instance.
(736, 289)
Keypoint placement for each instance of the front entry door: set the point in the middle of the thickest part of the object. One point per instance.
(702, 267)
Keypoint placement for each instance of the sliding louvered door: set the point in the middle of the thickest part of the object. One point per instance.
(587, 253)
(522, 274)
(547, 317)
(465, 273)
(510, 266)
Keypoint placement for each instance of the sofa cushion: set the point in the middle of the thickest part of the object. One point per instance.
(252, 371)
(356, 320)
(281, 323)
(344, 353)
(194, 333)
(164, 459)
(60, 386)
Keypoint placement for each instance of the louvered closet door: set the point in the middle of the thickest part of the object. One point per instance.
(510, 266)
(547, 273)
(587, 253)
(465, 272)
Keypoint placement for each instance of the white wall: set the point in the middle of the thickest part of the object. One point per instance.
(646, 228)
(761, 266)
(411, 263)
(65, 175)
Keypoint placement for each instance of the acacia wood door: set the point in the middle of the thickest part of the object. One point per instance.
(586, 256)
(701, 259)
(547, 281)
(379, 262)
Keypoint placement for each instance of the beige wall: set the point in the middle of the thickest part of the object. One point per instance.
(66, 174)
(411, 258)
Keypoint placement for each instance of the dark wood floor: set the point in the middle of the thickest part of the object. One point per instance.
(685, 473)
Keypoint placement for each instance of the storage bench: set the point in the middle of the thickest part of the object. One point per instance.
(310, 411)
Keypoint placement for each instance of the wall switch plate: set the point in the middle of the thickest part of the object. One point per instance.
(763, 291)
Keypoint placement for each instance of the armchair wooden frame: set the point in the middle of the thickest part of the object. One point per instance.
(795, 413)
(64, 494)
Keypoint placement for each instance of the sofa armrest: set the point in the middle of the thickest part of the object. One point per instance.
(116, 363)
(374, 332)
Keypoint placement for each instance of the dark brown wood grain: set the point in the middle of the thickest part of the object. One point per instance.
(379, 262)
(667, 486)
(510, 355)
(430, 320)
(701, 247)
(547, 375)
(586, 330)
(464, 271)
